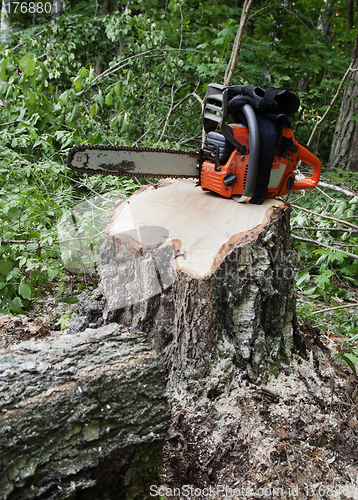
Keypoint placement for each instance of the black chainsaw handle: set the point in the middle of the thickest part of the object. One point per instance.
(253, 156)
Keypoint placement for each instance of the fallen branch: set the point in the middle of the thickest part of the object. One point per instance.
(325, 194)
(125, 62)
(350, 231)
(347, 306)
(347, 192)
(323, 245)
(16, 242)
(325, 216)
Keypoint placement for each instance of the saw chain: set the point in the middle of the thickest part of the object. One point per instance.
(115, 169)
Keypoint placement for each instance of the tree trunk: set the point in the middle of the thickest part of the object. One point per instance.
(324, 19)
(4, 21)
(207, 278)
(350, 16)
(107, 7)
(344, 150)
(81, 416)
(57, 9)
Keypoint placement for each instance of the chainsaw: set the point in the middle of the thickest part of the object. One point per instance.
(253, 158)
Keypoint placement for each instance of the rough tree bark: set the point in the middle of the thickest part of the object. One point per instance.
(344, 150)
(82, 415)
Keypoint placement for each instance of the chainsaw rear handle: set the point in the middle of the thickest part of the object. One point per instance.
(252, 168)
(306, 156)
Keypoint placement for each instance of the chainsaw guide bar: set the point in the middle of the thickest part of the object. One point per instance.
(134, 161)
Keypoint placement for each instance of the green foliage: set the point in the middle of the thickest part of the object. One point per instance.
(328, 277)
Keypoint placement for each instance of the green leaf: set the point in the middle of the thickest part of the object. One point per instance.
(34, 235)
(93, 110)
(14, 213)
(100, 100)
(109, 98)
(350, 360)
(114, 122)
(27, 64)
(77, 83)
(52, 273)
(64, 98)
(323, 278)
(15, 303)
(59, 134)
(22, 261)
(31, 98)
(83, 72)
(69, 300)
(302, 277)
(3, 65)
(5, 266)
(44, 70)
(25, 291)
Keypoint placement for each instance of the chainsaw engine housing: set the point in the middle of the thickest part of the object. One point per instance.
(224, 169)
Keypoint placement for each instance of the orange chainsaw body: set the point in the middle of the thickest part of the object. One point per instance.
(283, 170)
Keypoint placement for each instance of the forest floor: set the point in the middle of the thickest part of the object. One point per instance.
(294, 437)
(50, 312)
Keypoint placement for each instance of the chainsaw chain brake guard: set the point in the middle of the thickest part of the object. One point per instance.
(214, 116)
(231, 153)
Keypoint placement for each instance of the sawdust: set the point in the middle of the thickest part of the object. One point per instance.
(39, 323)
(294, 437)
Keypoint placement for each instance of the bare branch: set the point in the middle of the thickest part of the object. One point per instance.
(124, 62)
(345, 191)
(16, 242)
(237, 43)
(323, 245)
(325, 216)
(325, 194)
(350, 231)
(169, 112)
(347, 306)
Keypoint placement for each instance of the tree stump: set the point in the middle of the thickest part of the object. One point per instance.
(210, 280)
(190, 281)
